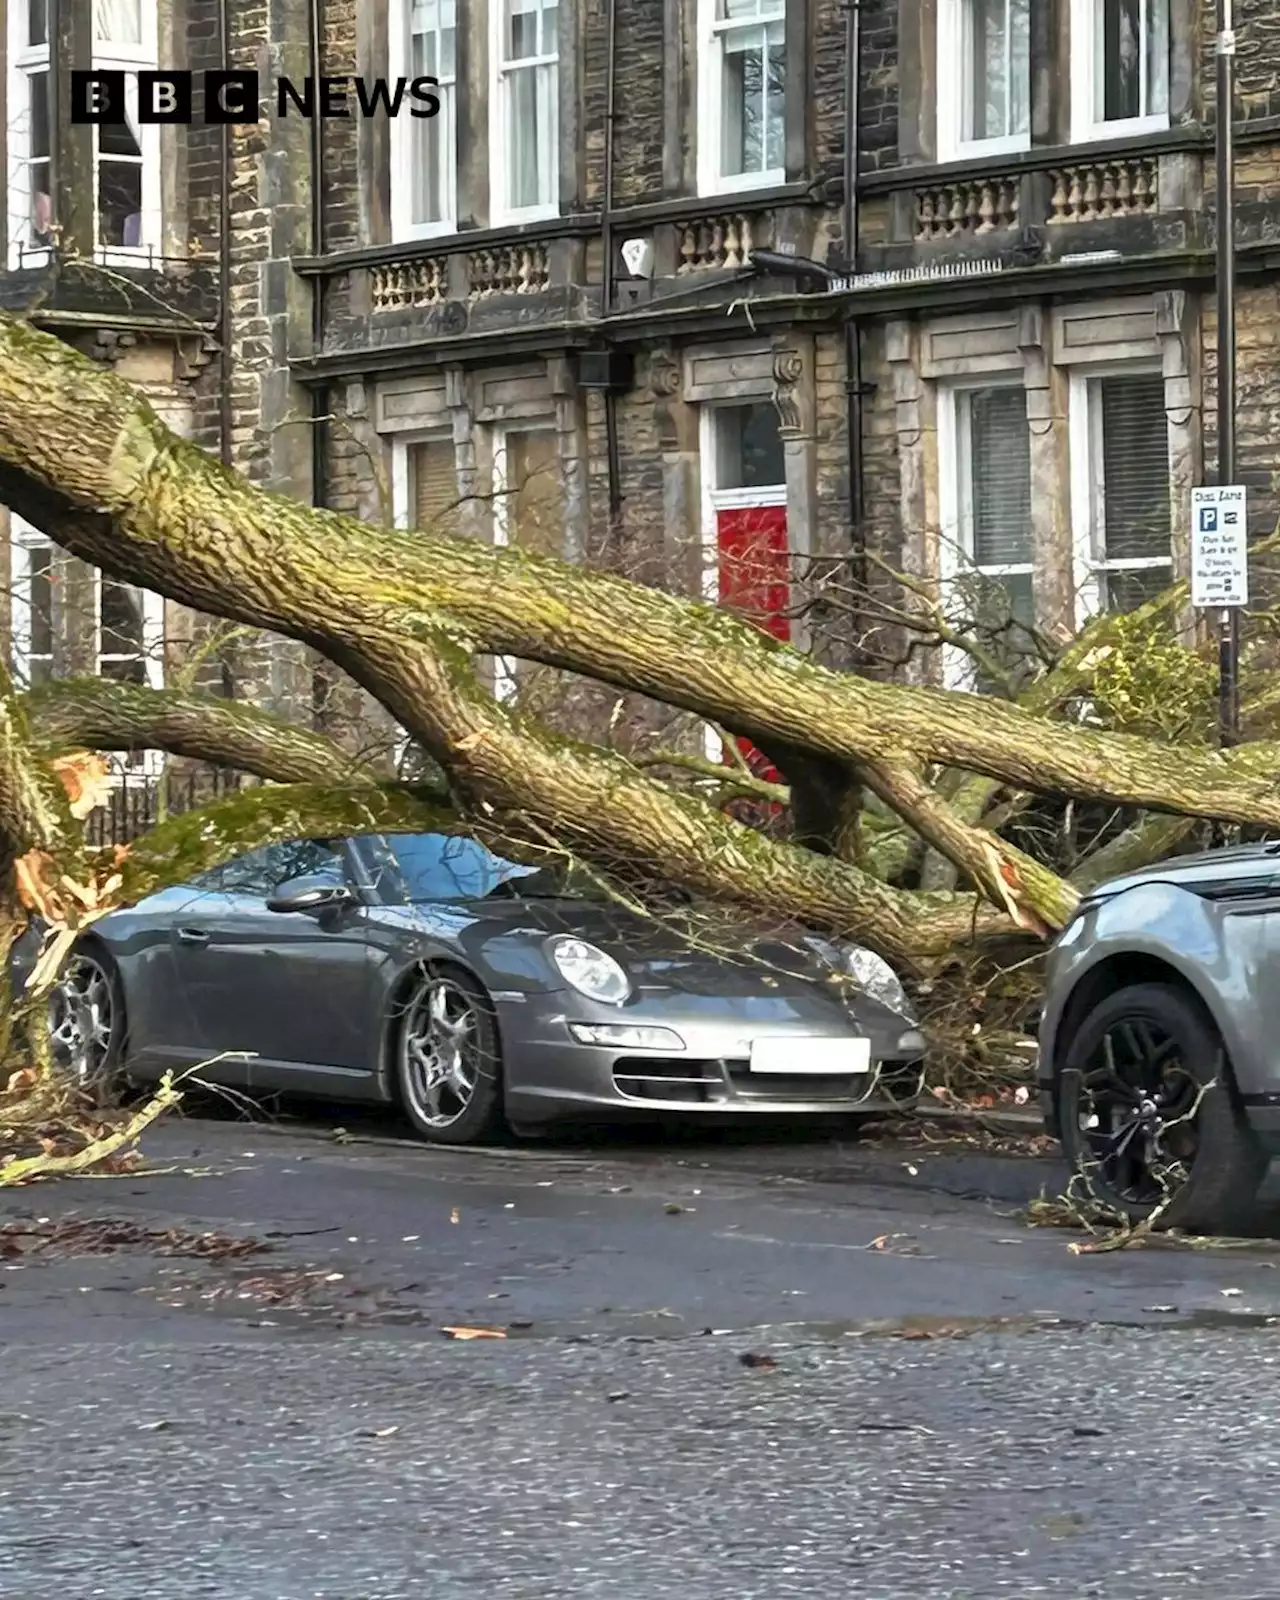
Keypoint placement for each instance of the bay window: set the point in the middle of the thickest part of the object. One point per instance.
(985, 105)
(424, 149)
(525, 111)
(126, 175)
(742, 94)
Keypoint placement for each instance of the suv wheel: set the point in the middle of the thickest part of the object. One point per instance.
(1149, 1116)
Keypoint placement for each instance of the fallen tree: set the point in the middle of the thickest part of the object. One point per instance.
(913, 810)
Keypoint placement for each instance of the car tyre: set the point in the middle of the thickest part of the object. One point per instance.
(448, 1059)
(87, 1023)
(1170, 1136)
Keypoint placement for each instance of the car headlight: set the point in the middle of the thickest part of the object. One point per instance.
(590, 971)
(872, 974)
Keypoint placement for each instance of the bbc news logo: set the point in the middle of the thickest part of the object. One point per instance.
(236, 97)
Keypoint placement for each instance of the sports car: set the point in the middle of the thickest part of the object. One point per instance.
(475, 993)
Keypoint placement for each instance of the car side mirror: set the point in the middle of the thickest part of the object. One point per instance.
(310, 894)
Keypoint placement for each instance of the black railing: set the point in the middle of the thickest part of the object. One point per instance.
(139, 801)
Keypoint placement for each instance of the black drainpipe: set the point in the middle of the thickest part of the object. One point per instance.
(853, 342)
(606, 267)
(320, 394)
(224, 255)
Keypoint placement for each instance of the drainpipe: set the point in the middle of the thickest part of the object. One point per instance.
(320, 394)
(606, 267)
(853, 343)
(224, 255)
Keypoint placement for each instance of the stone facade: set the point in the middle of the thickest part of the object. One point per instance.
(1053, 263)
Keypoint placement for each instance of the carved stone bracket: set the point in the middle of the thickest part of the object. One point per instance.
(788, 369)
(664, 385)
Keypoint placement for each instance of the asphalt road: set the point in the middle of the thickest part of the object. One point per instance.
(731, 1371)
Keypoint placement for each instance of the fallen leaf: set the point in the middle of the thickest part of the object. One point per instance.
(1230, 1292)
(474, 1333)
(673, 1210)
(380, 1433)
(757, 1362)
(454, 1215)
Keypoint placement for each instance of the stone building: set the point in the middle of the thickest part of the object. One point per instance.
(929, 279)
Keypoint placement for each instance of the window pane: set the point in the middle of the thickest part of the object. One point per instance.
(525, 155)
(38, 90)
(117, 139)
(752, 127)
(119, 203)
(1133, 58)
(120, 621)
(550, 42)
(1137, 519)
(40, 224)
(1126, 591)
(118, 21)
(37, 22)
(1004, 613)
(999, 476)
(1000, 68)
(433, 481)
(40, 600)
(749, 452)
(535, 495)
(522, 29)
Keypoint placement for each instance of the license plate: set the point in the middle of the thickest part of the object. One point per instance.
(792, 1057)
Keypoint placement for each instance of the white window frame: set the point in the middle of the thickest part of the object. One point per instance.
(107, 57)
(955, 510)
(23, 539)
(711, 54)
(24, 61)
(1086, 74)
(402, 446)
(952, 46)
(500, 76)
(715, 500)
(406, 132)
(1088, 490)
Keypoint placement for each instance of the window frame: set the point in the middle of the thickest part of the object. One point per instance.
(114, 56)
(1086, 74)
(23, 540)
(403, 497)
(151, 606)
(710, 98)
(955, 507)
(1088, 492)
(952, 43)
(404, 128)
(501, 212)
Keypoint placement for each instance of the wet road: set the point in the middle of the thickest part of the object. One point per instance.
(934, 1401)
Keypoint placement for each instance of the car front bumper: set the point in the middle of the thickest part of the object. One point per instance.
(550, 1075)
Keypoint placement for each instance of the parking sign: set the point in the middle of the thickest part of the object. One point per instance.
(1219, 557)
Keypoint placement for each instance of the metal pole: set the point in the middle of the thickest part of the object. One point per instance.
(1229, 626)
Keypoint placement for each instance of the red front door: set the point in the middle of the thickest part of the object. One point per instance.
(754, 559)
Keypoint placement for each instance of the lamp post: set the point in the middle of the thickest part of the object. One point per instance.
(1229, 622)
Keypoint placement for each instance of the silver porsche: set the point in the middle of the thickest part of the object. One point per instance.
(476, 994)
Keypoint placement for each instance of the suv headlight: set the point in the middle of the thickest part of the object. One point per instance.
(590, 971)
(872, 974)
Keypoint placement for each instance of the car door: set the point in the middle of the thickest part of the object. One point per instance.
(292, 988)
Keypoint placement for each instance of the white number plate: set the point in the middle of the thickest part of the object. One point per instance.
(787, 1054)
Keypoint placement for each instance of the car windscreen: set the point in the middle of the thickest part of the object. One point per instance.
(418, 867)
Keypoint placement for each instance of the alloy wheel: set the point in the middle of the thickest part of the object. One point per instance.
(82, 1017)
(1136, 1109)
(443, 1051)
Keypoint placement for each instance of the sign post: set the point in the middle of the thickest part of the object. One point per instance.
(1216, 556)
